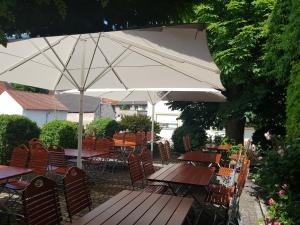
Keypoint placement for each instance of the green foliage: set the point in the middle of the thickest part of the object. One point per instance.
(197, 137)
(137, 123)
(102, 127)
(29, 88)
(60, 132)
(293, 107)
(15, 130)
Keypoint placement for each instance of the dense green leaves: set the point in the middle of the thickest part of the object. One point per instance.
(102, 127)
(60, 132)
(15, 130)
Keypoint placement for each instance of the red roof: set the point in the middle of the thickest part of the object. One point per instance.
(3, 87)
(37, 101)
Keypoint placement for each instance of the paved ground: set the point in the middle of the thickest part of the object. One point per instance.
(110, 184)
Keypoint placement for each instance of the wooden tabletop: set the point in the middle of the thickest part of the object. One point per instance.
(183, 174)
(7, 172)
(140, 208)
(218, 147)
(84, 154)
(198, 156)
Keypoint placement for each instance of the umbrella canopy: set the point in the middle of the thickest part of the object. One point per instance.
(162, 57)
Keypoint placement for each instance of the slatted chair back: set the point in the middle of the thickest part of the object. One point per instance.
(38, 159)
(41, 203)
(163, 153)
(34, 141)
(140, 138)
(88, 143)
(186, 143)
(19, 156)
(118, 138)
(56, 155)
(147, 162)
(168, 149)
(135, 169)
(130, 139)
(241, 181)
(77, 191)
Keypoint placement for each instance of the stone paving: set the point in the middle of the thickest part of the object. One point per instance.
(108, 185)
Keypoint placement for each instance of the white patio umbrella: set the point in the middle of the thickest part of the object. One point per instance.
(163, 57)
(154, 95)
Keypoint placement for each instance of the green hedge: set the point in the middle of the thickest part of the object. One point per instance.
(60, 132)
(102, 127)
(15, 130)
(197, 135)
(137, 123)
(293, 107)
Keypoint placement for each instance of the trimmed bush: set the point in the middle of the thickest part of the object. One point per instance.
(197, 135)
(60, 132)
(137, 123)
(102, 127)
(15, 130)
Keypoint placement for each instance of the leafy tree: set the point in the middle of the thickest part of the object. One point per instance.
(236, 37)
(102, 127)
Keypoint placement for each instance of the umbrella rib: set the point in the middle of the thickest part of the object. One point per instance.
(157, 52)
(150, 98)
(93, 56)
(31, 56)
(127, 96)
(107, 69)
(114, 71)
(69, 58)
(64, 66)
(51, 61)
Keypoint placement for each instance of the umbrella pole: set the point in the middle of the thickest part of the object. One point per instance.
(79, 162)
(152, 129)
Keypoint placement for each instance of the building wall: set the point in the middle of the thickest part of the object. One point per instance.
(9, 106)
(42, 117)
(87, 117)
(166, 118)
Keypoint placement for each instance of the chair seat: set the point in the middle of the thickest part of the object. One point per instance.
(218, 188)
(158, 189)
(17, 185)
(61, 170)
(224, 172)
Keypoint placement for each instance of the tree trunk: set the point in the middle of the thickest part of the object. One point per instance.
(235, 129)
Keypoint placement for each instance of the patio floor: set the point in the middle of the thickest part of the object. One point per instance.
(108, 185)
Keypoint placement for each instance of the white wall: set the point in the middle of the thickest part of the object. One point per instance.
(87, 117)
(9, 106)
(42, 117)
(166, 117)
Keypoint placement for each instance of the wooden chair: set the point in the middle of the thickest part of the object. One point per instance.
(168, 149)
(163, 153)
(187, 143)
(57, 160)
(77, 191)
(38, 163)
(19, 156)
(41, 203)
(88, 143)
(136, 174)
(147, 162)
(34, 141)
(118, 138)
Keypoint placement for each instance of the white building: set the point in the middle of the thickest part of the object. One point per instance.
(41, 108)
(166, 117)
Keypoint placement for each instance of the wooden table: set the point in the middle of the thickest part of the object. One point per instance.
(140, 208)
(7, 172)
(218, 148)
(183, 174)
(202, 157)
(84, 154)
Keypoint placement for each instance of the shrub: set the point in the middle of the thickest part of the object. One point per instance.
(60, 132)
(15, 130)
(137, 123)
(197, 135)
(102, 127)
